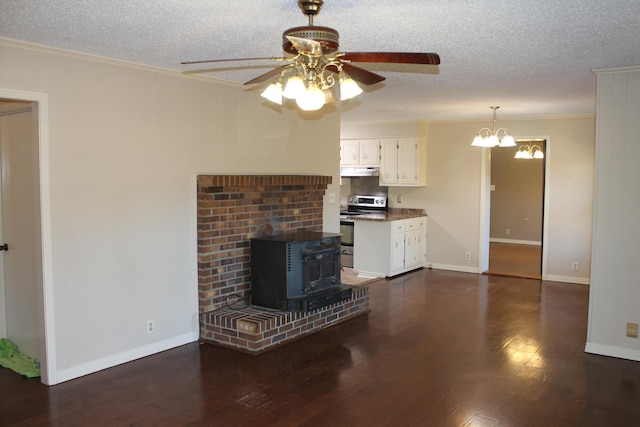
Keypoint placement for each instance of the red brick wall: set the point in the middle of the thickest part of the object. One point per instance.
(234, 208)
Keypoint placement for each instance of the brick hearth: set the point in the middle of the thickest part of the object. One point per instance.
(231, 210)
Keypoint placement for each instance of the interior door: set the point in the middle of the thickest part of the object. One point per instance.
(20, 230)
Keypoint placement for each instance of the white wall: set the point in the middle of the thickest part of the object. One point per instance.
(125, 145)
(452, 197)
(614, 299)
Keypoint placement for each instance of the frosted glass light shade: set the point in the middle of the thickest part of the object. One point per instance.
(273, 93)
(348, 87)
(294, 88)
(478, 141)
(507, 141)
(312, 99)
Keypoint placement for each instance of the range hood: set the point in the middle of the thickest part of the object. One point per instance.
(359, 171)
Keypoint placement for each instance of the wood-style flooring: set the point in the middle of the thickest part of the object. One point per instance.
(508, 259)
(437, 349)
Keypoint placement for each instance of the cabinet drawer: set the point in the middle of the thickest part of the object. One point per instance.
(398, 226)
(415, 223)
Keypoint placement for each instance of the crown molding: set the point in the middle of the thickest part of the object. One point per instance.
(111, 61)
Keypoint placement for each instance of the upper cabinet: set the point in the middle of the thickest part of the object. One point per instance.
(403, 162)
(364, 152)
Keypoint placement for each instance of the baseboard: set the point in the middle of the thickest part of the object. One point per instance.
(611, 351)
(567, 279)
(119, 359)
(516, 242)
(450, 267)
(370, 274)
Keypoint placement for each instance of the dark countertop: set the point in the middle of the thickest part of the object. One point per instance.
(394, 214)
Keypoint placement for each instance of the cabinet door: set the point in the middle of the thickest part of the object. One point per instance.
(413, 256)
(397, 252)
(389, 161)
(407, 161)
(370, 153)
(349, 153)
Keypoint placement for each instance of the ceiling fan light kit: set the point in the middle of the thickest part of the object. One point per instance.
(488, 138)
(308, 75)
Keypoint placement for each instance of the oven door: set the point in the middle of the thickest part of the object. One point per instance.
(346, 229)
(346, 243)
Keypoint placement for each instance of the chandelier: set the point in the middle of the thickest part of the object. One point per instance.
(309, 79)
(528, 151)
(493, 138)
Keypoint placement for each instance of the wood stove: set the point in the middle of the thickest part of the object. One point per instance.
(297, 271)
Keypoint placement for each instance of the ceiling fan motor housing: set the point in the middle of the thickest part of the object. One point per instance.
(327, 37)
(310, 7)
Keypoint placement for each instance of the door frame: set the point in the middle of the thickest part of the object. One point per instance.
(485, 204)
(45, 293)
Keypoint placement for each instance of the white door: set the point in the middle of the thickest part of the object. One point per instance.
(20, 265)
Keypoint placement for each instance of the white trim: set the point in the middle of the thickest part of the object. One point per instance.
(616, 70)
(611, 351)
(568, 279)
(106, 60)
(483, 233)
(484, 222)
(47, 348)
(370, 274)
(124, 357)
(516, 242)
(451, 267)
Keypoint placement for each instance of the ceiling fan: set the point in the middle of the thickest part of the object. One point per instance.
(313, 58)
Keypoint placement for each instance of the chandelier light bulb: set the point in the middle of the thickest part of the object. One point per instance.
(273, 93)
(294, 88)
(311, 99)
(348, 87)
(478, 141)
(507, 141)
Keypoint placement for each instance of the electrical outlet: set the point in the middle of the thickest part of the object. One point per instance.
(632, 330)
(507, 231)
(151, 327)
(332, 197)
(467, 256)
(574, 266)
(399, 199)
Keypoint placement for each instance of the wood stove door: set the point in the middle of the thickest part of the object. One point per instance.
(321, 270)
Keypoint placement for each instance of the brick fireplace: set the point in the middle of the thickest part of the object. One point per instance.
(231, 210)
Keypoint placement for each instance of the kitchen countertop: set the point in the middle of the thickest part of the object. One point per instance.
(394, 214)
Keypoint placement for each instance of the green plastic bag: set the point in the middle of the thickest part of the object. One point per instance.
(11, 358)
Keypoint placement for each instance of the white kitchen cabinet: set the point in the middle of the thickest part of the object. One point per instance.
(403, 162)
(349, 153)
(364, 153)
(388, 248)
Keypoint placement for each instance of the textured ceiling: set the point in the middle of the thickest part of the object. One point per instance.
(532, 58)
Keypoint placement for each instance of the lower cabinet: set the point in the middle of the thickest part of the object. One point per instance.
(388, 248)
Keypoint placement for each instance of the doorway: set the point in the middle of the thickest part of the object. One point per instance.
(517, 194)
(25, 268)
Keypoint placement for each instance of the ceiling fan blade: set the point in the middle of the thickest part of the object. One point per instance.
(226, 60)
(361, 75)
(393, 57)
(308, 46)
(266, 76)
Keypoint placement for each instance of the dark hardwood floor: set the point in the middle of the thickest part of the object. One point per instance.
(437, 349)
(509, 259)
